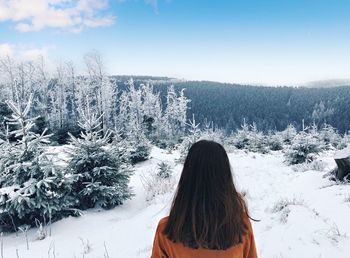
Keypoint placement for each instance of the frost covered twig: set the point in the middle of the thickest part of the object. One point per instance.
(334, 234)
(86, 246)
(41, 230)
(2, 244)
(105, 255)
(52, 247)
(24, 230)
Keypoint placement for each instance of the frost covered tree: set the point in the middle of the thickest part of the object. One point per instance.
(104, 91)
(274, 140)
(132, 112)
(211, 133)
(175, 114)
(194, 130)
(182, 101)
(99, 176)
(73, 82)
(130, 109)
(59, 94)
(288, 134)
(303, 149)
(158, 183)
(4, 112)
(171, 110)
(151, 112)
(164, 170)
(330, 137)
(139, 147)
(59, 98)
(257, 140)
(250, 138)
(194, 134)
(305, 146)
(25, 77)
(41, 82)
(32, 188)
(241, 138)
(17, 78)
(8, 77)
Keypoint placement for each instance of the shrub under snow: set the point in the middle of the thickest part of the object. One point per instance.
(99, 175)
(304, 148)
(159, 182)
(31, 187)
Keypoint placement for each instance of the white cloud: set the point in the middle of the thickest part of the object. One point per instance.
(71, 15)
(34, 53)
(5, 49)
(22, 52)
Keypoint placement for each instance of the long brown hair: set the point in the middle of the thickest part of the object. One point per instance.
(207, 211)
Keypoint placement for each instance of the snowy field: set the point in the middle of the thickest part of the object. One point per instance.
(301, 215)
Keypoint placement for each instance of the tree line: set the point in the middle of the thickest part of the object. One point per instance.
(59, 94)
(270, 108)
(57, 97)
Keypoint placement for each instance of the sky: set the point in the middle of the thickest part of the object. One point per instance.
(270, 42)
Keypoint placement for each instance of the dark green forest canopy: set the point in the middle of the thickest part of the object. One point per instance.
(269, 107)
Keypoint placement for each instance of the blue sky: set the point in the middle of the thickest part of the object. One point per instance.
(244, 41)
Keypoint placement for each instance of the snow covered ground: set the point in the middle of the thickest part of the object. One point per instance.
(301, 215)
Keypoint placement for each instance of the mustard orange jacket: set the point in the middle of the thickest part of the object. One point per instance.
(165, 248)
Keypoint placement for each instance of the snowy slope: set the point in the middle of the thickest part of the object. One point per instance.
(301, 214)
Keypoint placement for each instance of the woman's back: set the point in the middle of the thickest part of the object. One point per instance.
(165, 248)
(208, 217)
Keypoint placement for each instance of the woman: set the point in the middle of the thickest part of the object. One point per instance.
(208, 217)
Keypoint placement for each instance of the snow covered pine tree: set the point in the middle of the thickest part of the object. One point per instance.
(194, 134)
(98, 176)
(132, 112)
(304, 147)
(31, 188)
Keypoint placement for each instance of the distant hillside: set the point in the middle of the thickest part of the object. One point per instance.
(328, 83)
(145, 78)
(270, 107)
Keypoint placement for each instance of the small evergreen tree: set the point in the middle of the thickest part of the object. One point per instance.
(344, 141)
(31, 187)
(151, 111)
(139, 147)
(158, 183)
(241, 137)
(211, 133)
(257, 141)
(121, 146)
(274, 141)
(99, 177)
(194, 134)
(164, 170)
(304, 148)
(250, 138)
(288, 134)
(4, 112)
(330, 137)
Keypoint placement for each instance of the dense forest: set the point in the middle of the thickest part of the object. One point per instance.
(227, 105)
(58, 95)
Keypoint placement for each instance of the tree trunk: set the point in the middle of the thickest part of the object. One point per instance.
(342, 158)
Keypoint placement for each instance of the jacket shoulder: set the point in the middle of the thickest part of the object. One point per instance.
(162, 223)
